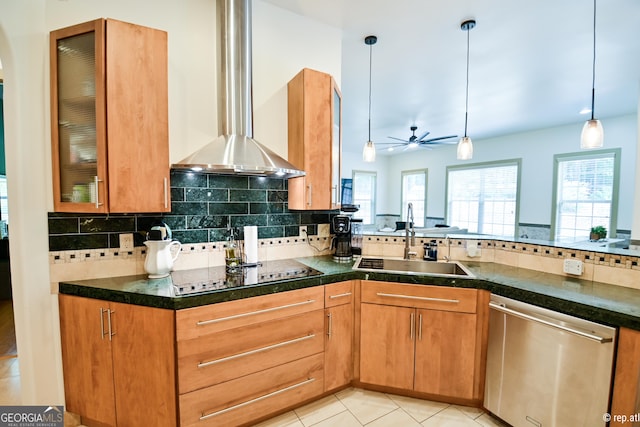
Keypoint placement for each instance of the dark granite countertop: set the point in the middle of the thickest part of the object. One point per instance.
(599, 302)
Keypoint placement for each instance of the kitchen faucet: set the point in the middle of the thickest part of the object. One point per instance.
(409, 224)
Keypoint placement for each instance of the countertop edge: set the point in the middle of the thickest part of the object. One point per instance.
(564, 305)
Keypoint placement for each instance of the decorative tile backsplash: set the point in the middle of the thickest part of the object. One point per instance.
(203, 206)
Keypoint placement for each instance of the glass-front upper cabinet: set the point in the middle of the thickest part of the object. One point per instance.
(336, 146)
(109, 118)
(78, 91)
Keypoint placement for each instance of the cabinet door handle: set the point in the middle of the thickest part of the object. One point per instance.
(309, 195)
(252, 313)
(420, 327)
(453, 301)
(255, 351)
(102, 322)
(346, 294)
(330, 325)
(109, 326)
(95, 183)
(207, 415)
(412, 325)
(166, 192)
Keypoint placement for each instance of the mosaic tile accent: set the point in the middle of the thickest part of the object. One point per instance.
(203, 206)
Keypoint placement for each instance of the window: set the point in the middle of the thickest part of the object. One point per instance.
(364, 194)
(585, 193)
(483, 198)
(414, 190)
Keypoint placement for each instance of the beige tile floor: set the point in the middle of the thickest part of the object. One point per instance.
(355, 407)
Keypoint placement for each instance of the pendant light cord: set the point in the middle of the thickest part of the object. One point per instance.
(593, 79)
(466, 103)
(370, 66)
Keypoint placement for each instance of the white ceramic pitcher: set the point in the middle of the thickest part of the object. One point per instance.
(160, 258)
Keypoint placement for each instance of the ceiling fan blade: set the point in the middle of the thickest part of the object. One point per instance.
(428, 141)
(397, 139)
(420, 138)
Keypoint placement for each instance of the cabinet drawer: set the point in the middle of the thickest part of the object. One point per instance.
(420, 296)
(237, 352)
(201, 321)
(338, 293)
(254, 396)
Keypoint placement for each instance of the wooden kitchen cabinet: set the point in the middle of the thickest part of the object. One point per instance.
(338, 349)
(426, 339)
(625, 399)
(242, 360)
(118, 362)
(315, 140)
(109, 118)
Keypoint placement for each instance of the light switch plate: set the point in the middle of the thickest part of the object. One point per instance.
(573, 266)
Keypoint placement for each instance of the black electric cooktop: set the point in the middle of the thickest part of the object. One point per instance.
(211, 279)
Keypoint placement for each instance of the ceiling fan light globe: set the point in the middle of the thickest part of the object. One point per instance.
(592, 135)
(369, 152)
(465, 148)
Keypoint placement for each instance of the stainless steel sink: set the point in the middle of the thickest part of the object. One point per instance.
(429, 268)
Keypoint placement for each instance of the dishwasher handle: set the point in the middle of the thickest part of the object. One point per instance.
(499, 307)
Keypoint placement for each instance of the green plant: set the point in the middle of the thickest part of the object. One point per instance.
(599, 231)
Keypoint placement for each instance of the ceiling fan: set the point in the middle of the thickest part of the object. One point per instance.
(418, 141)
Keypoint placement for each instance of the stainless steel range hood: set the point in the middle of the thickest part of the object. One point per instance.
(235, 151)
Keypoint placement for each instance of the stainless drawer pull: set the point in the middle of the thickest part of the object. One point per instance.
(498, 307)
(251, 313)
(110, 330)
(330, 326)
(453, 301)
(257, 399)
(346, 294)
(102, 311)
(257, 350)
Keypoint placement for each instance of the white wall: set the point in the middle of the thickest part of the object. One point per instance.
(536, 150)
(24, 28)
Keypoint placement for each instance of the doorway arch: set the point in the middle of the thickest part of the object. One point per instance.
(23, 48)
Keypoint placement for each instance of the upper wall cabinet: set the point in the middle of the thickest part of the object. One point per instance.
(109, 118)
(315, 140)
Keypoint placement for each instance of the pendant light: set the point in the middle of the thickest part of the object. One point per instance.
(592, 131)
(369, 151)
(465, 145)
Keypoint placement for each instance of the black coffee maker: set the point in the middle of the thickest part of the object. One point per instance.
(342, 238)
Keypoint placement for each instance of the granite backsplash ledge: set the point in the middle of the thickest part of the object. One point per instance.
(203, 206)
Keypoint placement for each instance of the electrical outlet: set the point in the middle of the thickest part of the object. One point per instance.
(572, 266)
(323, 229)
(126, 241)
(303, 231)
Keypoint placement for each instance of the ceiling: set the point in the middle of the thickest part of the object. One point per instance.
(530, 64)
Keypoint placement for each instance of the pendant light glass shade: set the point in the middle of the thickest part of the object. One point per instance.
(465, 148)
(369, 150)
(592, 132)
(592, 135)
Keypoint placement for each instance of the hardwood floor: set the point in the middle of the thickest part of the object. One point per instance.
(7, 330)
(9, 365)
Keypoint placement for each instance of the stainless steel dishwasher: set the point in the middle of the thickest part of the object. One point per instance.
(545, 368)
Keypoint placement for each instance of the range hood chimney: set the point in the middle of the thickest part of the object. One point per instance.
(235, 151)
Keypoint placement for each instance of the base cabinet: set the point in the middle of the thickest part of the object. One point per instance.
(338, 348)
(426, 339)
(118, 362)
(243, 360)
(626, 385)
